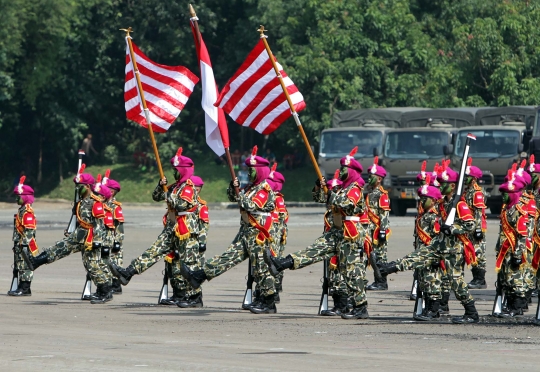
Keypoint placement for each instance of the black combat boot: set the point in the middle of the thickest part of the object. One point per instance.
(277, 300)
(430, 312)
(515, 307)
(388, 268)
(177, 296)
(470, 316)
(380, 285)
(357, 312)
(279, 287)
(105, 294)
(22, 290)
(479, 279)
(124, 275)
(191, 301)
(116, 286)
(444, 309)
(265, 306)
(195, 278)
(35, 262)
(277, 264)
(340, 306)
(255, 299)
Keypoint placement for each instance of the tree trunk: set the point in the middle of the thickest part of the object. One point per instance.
(60, 168)
(40, 159)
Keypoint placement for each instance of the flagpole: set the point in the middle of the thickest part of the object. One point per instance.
(143, 101)
(194, 20)
(261, 30)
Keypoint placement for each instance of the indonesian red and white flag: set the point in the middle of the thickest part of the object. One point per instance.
(253, 97)
(217, 133)
(166, 90)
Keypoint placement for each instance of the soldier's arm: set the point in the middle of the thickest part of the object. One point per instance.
(159, 194)
(203, 232)
(119, 233)
(522, 233)
(350, 201)
(318, 195)
(384, 211)
(231, 194)
(464, 222)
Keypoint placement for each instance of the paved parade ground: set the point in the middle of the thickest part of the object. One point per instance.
(54, 330)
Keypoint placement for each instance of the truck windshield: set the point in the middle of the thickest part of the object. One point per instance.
(489, 143)
(415, 145)
(338, 144)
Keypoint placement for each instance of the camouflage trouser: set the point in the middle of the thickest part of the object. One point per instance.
(188, 251)
(25, 274)
(96, 267)
(529, 276)
(243, 246)
(454, 275)
(322, 249)
(381, 251)
(63, 248)
(334, 278)
(352, 270)
(513, 280)
(430, 281)
(117, 258)
(278, 245)
(480, 249)
(161, 247)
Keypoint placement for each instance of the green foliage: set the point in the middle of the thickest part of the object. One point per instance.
(62, 67)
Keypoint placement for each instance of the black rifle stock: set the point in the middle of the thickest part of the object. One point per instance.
(248, 296)
(376, 272)
(323, 306)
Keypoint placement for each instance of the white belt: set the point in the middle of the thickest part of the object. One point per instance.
(265, 214)
(183, 213)
(352, 218)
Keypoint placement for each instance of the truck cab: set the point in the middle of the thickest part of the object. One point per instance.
(502, 137)
(424, 136)
(364, 128)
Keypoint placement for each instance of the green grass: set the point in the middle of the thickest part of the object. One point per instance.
(137, 185)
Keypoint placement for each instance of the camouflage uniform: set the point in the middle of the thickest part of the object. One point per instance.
(378, 210)
(24, 234)
(427, 228)
(179, 221)
(512, 243)
(529, 275)
(256, 203)
(279, 231)
(449, 251)
(117, 254)
(190, 253)
(347, 207)
(475, 198)
(87, 237)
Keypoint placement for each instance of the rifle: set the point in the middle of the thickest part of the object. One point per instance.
(323, 306)
(414, 289)
(373, 262)
(15, 281)
(452, 215)
(164, 293)
(87, 289)
(73, 220)
(499, 297)
(248, 296)
(420, 303)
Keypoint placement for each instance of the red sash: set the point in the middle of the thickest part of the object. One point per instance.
(181, 229)
(263, 234)
(510, 241)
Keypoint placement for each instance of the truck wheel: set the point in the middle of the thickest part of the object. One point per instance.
(495, 209)
(398, 207)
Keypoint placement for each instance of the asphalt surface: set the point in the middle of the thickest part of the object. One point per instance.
(54, 330)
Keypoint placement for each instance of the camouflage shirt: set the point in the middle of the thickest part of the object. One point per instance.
(24, 225)
(379, 205)
(254, 199)
(349, 200)
(427, 228)
(517, 219)
(204, 221)
(463, 225)
(90, 214)
(118, 215)
(475, 197)
(181, 199)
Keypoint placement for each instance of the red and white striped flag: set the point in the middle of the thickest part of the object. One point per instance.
(253, 97)
(217, 133)
(166, 90)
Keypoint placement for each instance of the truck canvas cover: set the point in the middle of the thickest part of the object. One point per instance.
(390, 117)
(493, 115)
(457, 117)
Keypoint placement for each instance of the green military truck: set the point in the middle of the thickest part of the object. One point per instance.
(364, 128)
(502, 137)
(423, 136)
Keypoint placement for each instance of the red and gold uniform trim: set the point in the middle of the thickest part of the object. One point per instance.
(28, 221)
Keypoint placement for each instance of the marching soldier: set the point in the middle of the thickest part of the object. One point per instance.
(117, 251)
(180, 222)
(511, 247)
(280, 217)
(378, 209)
(24, 238)
(87, 238)
(475, 198)
(347, 241)
(256, 201)
(452, 246)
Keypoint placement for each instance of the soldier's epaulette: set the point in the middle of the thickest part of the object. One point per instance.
(201, 201)
(95, 197)
(106, 207)
(520, 209)
(267, 186)
(29, 208)
(433, 210)
(476, 187)
(382, 190)
(115, 202)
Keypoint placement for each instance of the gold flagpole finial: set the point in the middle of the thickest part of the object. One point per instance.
(192, 11)
(128, 30)
(261, 30)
